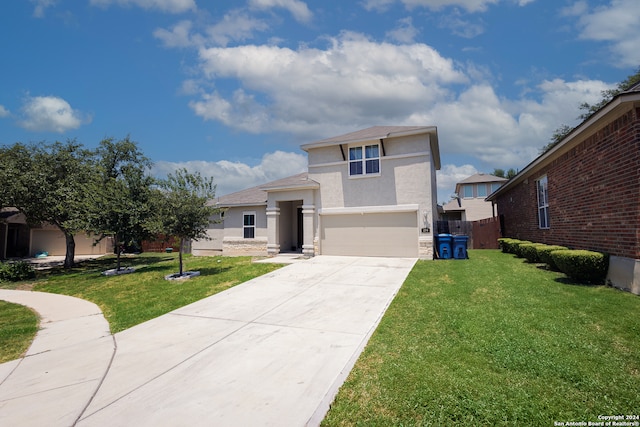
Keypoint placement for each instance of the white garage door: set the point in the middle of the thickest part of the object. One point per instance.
(370, 234)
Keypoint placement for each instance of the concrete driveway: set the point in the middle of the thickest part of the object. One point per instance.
(269, 352)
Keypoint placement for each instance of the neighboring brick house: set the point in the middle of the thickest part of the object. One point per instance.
(584, 193)
(470, 203)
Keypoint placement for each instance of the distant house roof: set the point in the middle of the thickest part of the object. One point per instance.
(376, 133)
(482, 177)
(584, 129)
(256, 196)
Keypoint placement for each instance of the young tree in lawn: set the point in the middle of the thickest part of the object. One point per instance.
(121, 199)
(183, 209)
(48, 183)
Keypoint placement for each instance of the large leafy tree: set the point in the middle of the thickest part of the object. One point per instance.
(48, 183)
(120, 203)
(182, 207)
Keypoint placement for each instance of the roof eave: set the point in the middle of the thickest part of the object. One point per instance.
(419, 131)
(567, 141)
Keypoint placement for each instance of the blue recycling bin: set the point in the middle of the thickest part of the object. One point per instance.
(444, 245)
(460, 247)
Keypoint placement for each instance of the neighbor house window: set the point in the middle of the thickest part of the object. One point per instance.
(495, 186)
(543, 202)
(364, 160)
(249, 225)
(467, 191)
(482, 190)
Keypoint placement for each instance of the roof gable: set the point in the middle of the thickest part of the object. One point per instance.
(377, 133)
(256, 196)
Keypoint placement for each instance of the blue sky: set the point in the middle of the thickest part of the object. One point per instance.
(231, 89)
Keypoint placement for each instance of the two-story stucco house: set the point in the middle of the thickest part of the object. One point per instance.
(470, 203)
(366, 193)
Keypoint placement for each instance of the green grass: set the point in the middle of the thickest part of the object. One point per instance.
(495, 341)
(129, 299)
(18, 326)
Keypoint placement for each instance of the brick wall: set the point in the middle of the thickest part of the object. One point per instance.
(594, 194)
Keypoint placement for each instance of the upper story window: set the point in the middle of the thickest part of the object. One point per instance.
(482, 190)
(249, 225)
(495, 186)
(467, 191)
(364, 160)
(543, 202)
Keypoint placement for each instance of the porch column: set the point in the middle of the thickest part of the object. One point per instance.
(273, 234)
(308, 212)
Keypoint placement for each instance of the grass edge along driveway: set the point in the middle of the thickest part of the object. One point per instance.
(130, 299)
(493, 341)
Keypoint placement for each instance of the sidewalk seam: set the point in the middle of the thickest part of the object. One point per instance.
(93, 395)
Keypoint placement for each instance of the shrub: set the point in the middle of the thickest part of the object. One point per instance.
(529, 251)
(508, 245)
(517, 245)
(581, 265)
(15, 271)
(544, 254)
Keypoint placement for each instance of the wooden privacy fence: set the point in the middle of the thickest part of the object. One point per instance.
(483, 234)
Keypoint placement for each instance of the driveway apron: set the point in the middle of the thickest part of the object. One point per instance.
(270, 352)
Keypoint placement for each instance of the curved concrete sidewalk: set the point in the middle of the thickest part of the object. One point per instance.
(58, 376)
(271, 351)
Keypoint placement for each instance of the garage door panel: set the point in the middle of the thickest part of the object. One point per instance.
(370, 234)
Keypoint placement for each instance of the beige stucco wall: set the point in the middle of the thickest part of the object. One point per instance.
(233, 241)
(52, 241)
(407, 176)
(211, 246)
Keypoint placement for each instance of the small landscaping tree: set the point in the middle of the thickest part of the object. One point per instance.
(182, 208)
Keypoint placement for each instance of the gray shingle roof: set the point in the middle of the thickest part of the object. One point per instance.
(369, 134)
(482, 177)
(256, 196)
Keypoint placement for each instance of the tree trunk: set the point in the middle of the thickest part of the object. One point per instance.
(180, 254)
(71, 250)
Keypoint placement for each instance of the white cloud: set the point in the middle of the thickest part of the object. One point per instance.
(576, 9)
(468, 5)
(616, 23)
(4, 112)
(405, 32)
(353, 82)
(448, 176)
(41, 6)
(50, 114)
(460, 26)
(234, 26)
(169, 6)
(230, 177)
(179, 35)
(508, 133)
(237, 25)
(297, 8)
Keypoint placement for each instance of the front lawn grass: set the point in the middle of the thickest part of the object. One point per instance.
(18, 326)
(495, 341)
(129, 299)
